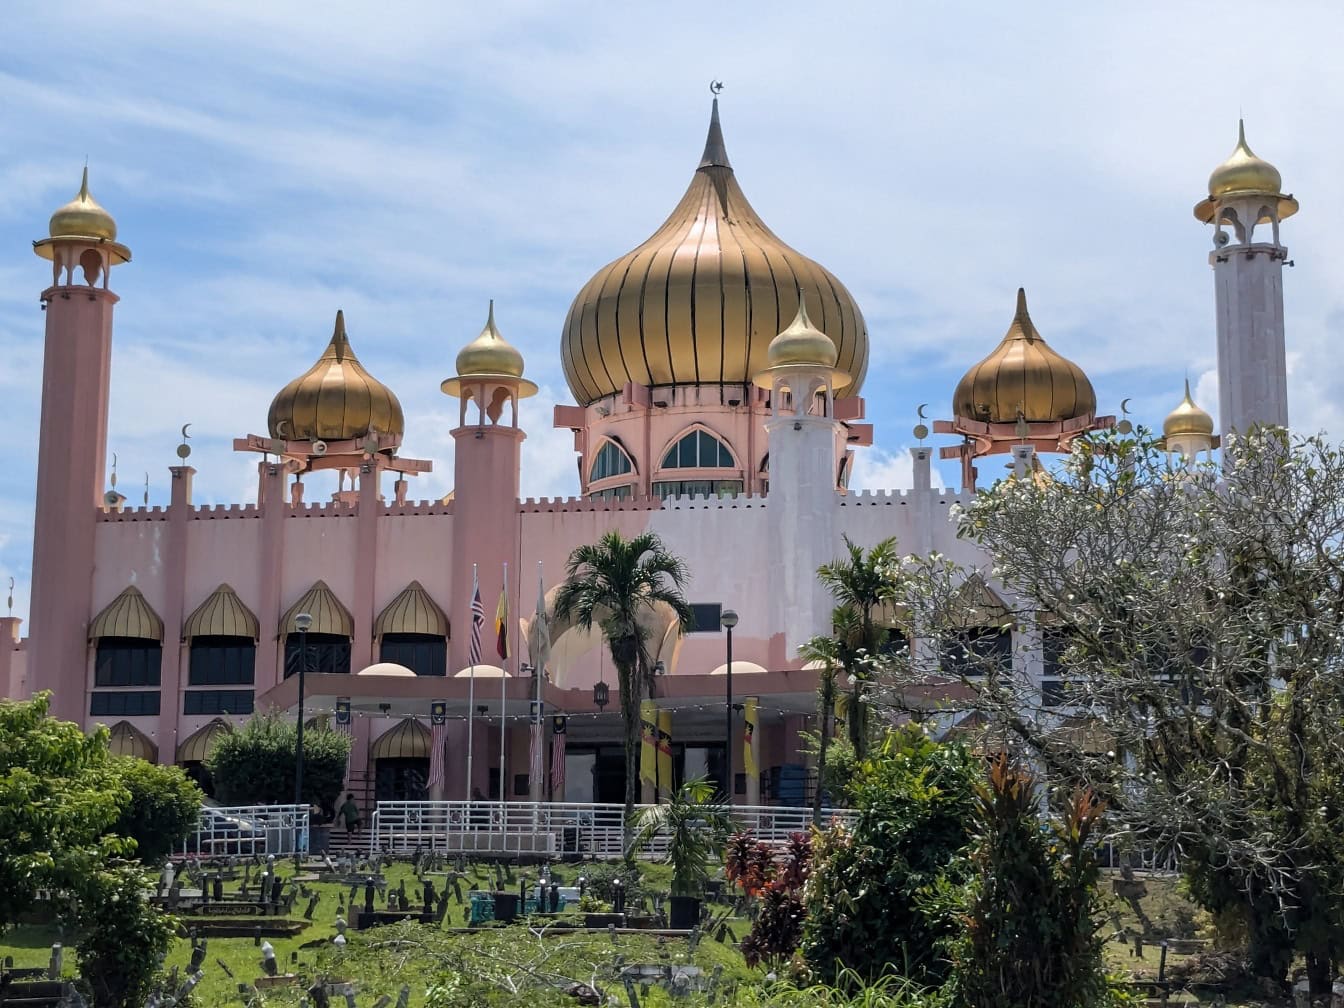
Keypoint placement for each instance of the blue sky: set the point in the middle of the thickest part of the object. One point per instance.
(270, 163)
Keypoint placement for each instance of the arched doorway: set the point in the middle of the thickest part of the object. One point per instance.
(400, 758)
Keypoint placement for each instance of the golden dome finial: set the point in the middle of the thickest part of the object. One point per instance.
(1187, 418)
(489, 355)
(1025, 379)
(801, 343)
(336, 399)
(1244, 172)
(82, 217)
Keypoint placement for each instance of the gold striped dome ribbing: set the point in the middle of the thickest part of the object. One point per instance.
(700, 301)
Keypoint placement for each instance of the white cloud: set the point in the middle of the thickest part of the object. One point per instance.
(877, 469)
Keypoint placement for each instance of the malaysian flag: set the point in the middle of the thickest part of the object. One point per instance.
(558, 755)
(477, 621)
(438, 737)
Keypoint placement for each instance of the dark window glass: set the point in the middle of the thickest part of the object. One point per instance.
(1053, 693)
(623, 492)
(977, 650)
(1054, 645)
(326, 653)
(610, 461)
(127, 661)
(698, 450)
(894, 642)
(696, 488)
(124, 703)
(222, 661)
(706, 615)
(226, 701)
(423, 654)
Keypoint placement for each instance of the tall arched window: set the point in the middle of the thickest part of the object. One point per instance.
(610, 461)
(698, 450)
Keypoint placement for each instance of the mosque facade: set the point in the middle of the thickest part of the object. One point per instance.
(717, 377)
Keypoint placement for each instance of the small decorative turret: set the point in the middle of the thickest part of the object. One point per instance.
(1188, 430)
(1245, 190)
(802, 360)
(83, 217)
(487, 362)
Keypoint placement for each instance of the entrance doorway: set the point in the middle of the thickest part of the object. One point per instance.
(401, 779)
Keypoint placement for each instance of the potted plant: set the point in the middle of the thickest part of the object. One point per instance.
(694, 824)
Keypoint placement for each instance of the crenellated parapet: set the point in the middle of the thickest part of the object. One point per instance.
(890, 498)
(551, 505)
(421, 507)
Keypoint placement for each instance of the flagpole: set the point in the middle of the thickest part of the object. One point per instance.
(503, 701)
(471, 687)
(538, 661)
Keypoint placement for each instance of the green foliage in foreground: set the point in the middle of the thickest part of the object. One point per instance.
(255, 765)
(163, 808)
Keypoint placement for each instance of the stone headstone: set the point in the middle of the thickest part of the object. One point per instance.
(368, 898)
(166, 879)
(57, 962)
(311, 907)
(217, 889)
(268, 963)
(404, 997)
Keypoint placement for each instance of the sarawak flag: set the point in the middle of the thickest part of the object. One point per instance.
(665, 751)
(502, 625)
(648, 742)
(750, 717)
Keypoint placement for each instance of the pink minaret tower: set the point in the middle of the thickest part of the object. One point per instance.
(486, 464)
(72, 447)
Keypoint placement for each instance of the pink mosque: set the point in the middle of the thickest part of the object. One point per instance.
(716, 374)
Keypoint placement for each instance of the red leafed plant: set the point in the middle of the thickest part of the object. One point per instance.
(774, 880)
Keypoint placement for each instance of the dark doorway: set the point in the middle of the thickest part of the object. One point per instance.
(404, 779)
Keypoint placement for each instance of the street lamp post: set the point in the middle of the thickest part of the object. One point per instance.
(729, 620)
(303, 621)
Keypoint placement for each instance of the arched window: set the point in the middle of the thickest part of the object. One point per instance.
(610, 461)
(128, 640)
(698, 450)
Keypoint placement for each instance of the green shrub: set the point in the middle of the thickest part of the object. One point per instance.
(600, 881)
(121, 936)
(255, 765)
(164, 807)
(870, 899)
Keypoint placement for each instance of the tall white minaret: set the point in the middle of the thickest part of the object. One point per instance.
(1247, 261)
(805, 438)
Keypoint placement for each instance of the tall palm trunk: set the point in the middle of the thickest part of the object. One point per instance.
(630, 696)
(821, 760)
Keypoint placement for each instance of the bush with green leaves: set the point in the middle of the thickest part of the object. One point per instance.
(1032, 927)
(255, 765)
(163, 809)
(120, 936)
(871, 899)
(600, 877)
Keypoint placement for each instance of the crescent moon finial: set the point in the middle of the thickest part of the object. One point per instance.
(1124, 405)
(919, 411)
(715, 86)
(185, 428)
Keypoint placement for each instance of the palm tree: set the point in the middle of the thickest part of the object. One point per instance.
(695, 822)
(615, 584)
(860, 582)
(831, 655)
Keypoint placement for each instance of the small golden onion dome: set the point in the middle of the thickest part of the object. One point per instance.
(1187, 418)
(1023, 378)
(82, 217)
(700, 300)
(1243, 172)
(335, 399)
(489, 355)
(801, 343)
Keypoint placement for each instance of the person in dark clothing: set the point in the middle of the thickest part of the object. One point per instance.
(350, 813)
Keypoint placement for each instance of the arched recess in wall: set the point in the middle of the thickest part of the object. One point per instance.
(979, 637)
(328, 639)
(128, 740)
(127, 636)
(697, 462)
(613, 472)
(413, 630)
(221, 636)
(195, 749)
(400, 758)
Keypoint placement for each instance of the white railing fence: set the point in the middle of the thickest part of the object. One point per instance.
(546, 828)
(245, 830)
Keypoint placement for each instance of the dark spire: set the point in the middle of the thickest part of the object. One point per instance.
(716, 154)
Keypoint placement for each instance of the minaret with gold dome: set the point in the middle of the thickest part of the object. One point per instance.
(82, 247)
(1187, 431)
(487, 450)
(1245, 196)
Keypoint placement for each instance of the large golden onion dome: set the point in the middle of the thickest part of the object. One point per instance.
(700, 300)
(335, 399)
(1023, 377)
(82, 217)
(1187, 418)
(1244, 172)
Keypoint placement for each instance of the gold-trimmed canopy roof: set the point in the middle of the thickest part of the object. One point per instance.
(195, 748)
(1187, 418)
(701, 299)
(412, 611)
(128, 740)
(1024, 377)
(335, 399)
(83, 217)
(329, 615)
(407, 740)
(222, 614)
(127, 615)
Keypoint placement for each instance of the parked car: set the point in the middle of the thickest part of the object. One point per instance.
(220, 834)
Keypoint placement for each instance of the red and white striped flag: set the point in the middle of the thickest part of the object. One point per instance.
(534, 751)
(438, 738)
(558, 757)
(477, 621)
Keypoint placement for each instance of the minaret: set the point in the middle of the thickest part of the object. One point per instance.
(82, 246)
(487, 459)
(805, 439)
(1244, 193)
(1187, 432)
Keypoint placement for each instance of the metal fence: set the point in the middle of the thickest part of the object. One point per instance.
(546, 828)
(245, 830)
